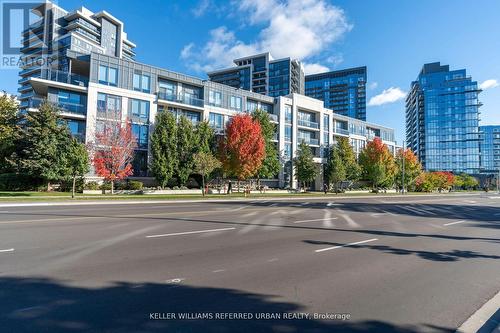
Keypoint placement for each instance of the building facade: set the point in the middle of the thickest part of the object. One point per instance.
(264, 75)
(119, 88)
(490, 148)
(442, 119)
(343, 91)
(46, 42)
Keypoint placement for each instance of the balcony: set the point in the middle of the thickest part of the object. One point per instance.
(64, 77)
(65, 107)
(181, 98)
(309, 141)
(273, 117)
(341, 131)
(307, 123)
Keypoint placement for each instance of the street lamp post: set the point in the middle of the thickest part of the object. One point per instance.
(403, 157)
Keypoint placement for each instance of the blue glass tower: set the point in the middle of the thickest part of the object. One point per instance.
(342, 91)
(442, 119)
(490, 148)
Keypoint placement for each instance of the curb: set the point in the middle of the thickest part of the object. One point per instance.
(484, 320)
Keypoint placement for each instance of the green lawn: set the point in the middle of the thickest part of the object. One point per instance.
(65, 196)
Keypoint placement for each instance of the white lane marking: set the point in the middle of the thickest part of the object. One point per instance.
(316, 220)
(273, 260)
(349, 244)
(470, 201)
(189, 232)
(330, 204)
(174, 281)
(7, 250)
(452, 223)
(218, 270)
(3, 211)
(350, 221)
(377, 214)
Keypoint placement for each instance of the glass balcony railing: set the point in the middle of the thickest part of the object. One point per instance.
(309, 141)
(307, 123)
(64, 77)
(341, 131)
(273, 117)
(65, 107)
(181, 98)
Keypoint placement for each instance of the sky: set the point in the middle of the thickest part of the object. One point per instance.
(393, 38)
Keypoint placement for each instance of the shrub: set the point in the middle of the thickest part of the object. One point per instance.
(105, 186)
(135, 185)
(175, 188)
(184, 188)
(92, 186)
(19, 182)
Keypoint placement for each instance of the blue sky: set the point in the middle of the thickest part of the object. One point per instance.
(393, 38)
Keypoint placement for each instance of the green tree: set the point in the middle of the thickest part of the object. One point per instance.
(186, 144)
(271, 164)
(336, 169)
(164, 148)
(348, 157)
(412, 169)
(305, 168)
(205, 138)
(204, 164)
(77, 162)
(42, 148)
(9, 130)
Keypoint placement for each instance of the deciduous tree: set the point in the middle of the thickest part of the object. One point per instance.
(412, 167)
(242, 150)
(336, 170)
(114, 151)
(204, 164)
(9, 130)
(347, 155)
(186, 145)
(305, 168)
(77, 162)
(377, 163)
(271, 164)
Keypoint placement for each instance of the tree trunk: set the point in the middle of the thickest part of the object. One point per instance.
(203, 185)
(238, 186)
(48, 186)
(73, 189)
(112, 187)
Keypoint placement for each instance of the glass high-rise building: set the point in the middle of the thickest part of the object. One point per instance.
(262, 74)
(490, 148)
(442, 119)
(343, 91)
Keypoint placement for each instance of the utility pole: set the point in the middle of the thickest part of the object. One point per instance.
(403, 157)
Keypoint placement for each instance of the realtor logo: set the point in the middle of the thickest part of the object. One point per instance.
(21, 20)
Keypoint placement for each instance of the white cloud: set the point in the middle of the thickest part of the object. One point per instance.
(298, 29)
(373, 85)
(201, 8)
(387, 96)
(314, 68)
(488, 84)
(335, 60)
(187, 51)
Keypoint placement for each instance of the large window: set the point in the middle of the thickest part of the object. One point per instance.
(71, 102)
(235, 103)
(141, 134)
(108, 75)
(108, 106)
(142, 82)
(167, 90)
(216, 120)
(215, 98)
(251, 105)
(139, 109)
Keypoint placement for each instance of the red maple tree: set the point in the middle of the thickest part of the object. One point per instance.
(243, 148)
(114, 151)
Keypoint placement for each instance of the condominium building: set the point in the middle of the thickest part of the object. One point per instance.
(343, 91)
(120, 88)
(442, 119)
(47, 40)
(490, 148)
(264, 75)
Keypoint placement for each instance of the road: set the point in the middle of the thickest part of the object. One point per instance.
(392, 264)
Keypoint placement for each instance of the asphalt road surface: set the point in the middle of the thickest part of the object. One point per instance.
(383, 264)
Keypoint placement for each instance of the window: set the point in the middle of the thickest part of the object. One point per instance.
(139, 109)
(140, 132)
(109, 105)
(108, 75)
(142, 82)
(235, 103)
(215, 98)
(251, 105)
(216, 120)
(168, 90)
